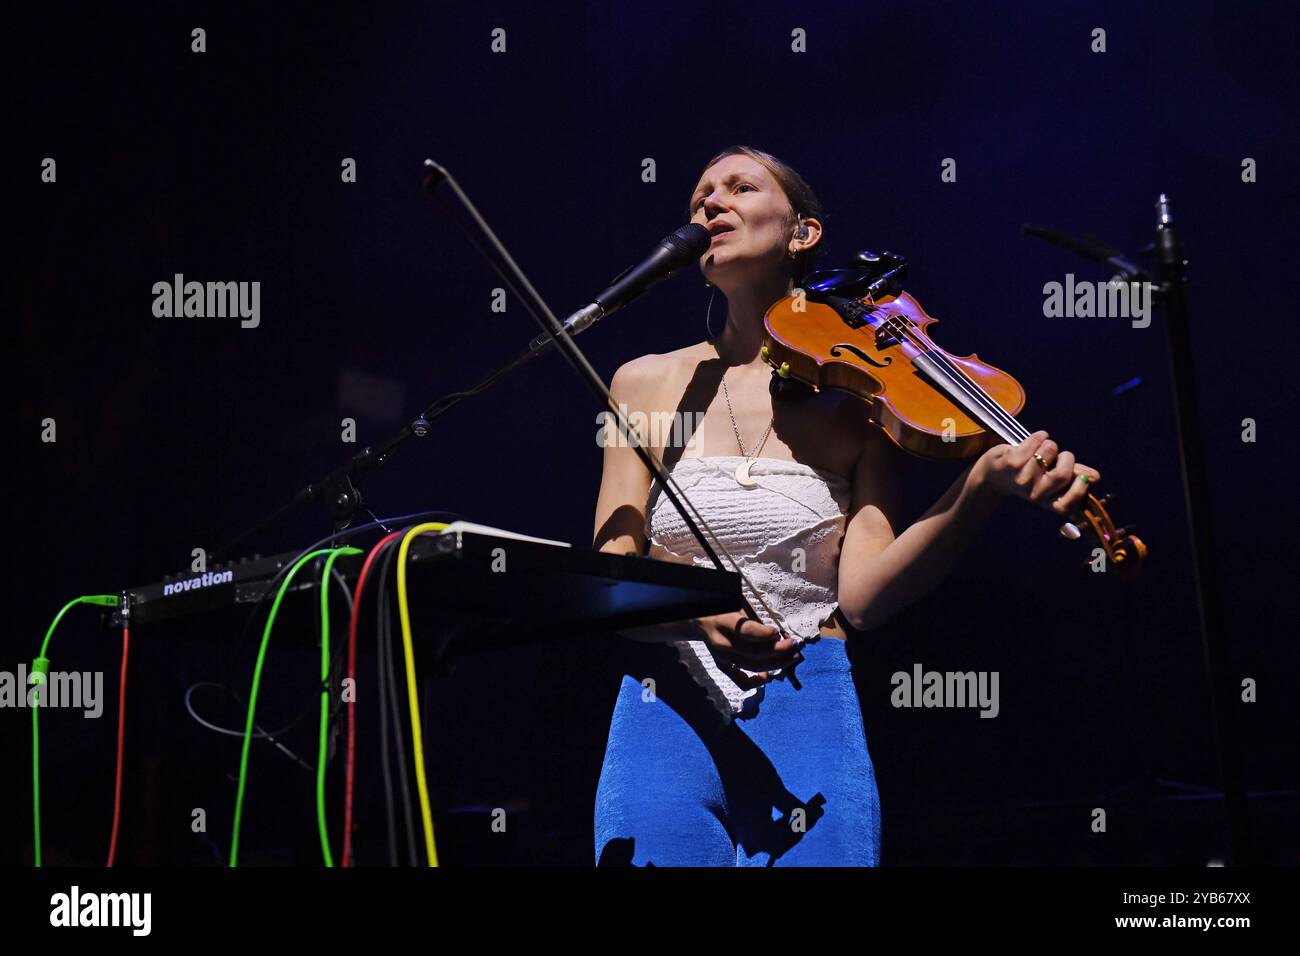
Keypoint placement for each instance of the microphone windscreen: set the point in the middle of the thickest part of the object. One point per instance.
(691, 239)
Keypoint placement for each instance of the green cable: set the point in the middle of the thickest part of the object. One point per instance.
(36, 783)
(325, 698)
(256, 683)
(41, 671)
(252, 697)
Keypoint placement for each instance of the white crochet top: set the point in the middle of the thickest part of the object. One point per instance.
(784, 535)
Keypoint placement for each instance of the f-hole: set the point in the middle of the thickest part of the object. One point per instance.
(835, 353)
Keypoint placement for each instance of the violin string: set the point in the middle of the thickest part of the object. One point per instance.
(956, 371)
(962, 379)
(897, 321)
(958, 376)
(972, 389)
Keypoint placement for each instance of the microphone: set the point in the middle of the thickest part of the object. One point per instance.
(1169, 251)
(1089, 249)
(673, 253)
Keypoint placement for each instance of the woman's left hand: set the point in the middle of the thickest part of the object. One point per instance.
(1018, 471)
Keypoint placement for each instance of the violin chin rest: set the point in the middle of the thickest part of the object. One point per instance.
(789, 389)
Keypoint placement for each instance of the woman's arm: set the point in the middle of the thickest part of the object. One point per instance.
(624, 480)
(880, 574)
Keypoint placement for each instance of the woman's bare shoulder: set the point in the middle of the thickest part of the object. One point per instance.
(649, 375)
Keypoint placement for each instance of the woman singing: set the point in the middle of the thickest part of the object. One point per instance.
(734, 742)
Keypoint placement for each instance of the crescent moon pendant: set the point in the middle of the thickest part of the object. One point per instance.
(742, 476)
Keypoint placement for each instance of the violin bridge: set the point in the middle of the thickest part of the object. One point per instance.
(891, 330)
(885, 337)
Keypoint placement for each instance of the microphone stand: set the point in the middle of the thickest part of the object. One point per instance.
(440, 185)
(339, 491)
(1171, 293)
(1169, 255)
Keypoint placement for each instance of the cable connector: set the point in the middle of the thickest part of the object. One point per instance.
(40, 671)
(103, 600)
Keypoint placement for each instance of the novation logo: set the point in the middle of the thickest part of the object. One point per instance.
(133, 910)
(207, 579)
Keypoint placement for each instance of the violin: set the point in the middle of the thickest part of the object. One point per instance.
(856, 330)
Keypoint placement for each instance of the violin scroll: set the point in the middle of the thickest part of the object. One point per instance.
(1124, 550)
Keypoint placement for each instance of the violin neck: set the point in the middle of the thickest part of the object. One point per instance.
(951, 378)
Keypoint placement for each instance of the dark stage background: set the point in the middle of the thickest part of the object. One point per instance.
(175, 433)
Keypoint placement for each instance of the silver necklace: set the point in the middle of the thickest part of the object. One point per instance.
(742, 473)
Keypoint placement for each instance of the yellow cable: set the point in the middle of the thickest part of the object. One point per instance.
(417, 739)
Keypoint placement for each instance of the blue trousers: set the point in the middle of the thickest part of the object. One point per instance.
(791, 786)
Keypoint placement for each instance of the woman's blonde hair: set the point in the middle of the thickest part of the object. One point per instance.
(803, 201)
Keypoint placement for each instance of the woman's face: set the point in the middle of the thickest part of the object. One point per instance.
(750, 216)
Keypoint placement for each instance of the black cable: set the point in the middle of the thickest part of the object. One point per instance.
(311, 707)
(260, 733)
(394, 703)
(386, 768)
(272, 586)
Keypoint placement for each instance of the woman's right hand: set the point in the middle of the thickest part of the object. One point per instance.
(751, 644)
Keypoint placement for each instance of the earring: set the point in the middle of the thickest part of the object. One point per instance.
(708, 316)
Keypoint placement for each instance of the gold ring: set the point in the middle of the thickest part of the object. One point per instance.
(1042, 461)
